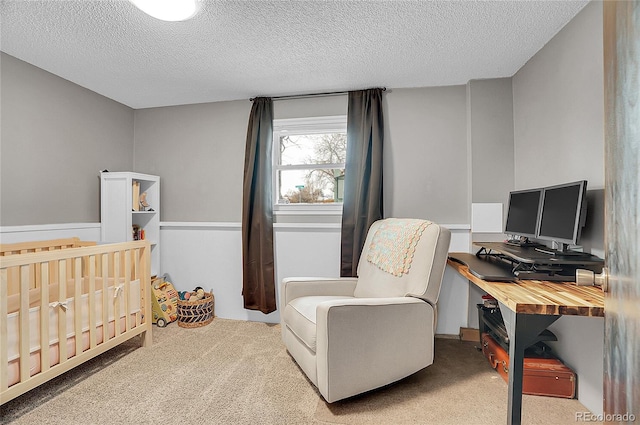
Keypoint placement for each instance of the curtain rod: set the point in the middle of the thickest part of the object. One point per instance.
(302, 96)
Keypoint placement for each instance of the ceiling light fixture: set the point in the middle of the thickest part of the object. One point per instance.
(168, 10)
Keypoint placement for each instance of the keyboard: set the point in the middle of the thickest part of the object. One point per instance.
(486, 268)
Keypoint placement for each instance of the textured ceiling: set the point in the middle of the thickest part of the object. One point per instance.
(240, 49)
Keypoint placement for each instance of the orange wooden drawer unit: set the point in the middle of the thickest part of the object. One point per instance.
(542, 376)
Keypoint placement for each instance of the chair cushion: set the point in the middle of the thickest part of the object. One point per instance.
(300, 317)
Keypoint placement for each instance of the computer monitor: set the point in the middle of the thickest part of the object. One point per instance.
(563, 213)
(522, 213)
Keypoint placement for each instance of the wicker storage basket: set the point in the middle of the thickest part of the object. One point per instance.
(193, 314)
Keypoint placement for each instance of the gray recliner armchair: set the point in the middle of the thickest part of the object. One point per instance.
(352, 335)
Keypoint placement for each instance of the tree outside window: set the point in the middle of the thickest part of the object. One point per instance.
(310, 162)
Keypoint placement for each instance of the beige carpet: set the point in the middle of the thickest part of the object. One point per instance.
(234, 372)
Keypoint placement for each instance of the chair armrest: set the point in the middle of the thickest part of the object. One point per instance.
(373, 302)
(296, 287)
(393, 336)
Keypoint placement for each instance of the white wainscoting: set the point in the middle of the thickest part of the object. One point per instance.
(210, 255)
(207, 255)
(453, 303)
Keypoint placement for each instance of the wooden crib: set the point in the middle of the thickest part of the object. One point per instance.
(94, 296)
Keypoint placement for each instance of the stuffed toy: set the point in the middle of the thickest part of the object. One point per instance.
(197, 294)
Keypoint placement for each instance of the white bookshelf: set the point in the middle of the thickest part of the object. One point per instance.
(118, 214)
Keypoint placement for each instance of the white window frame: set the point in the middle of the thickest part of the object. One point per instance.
(298, 126)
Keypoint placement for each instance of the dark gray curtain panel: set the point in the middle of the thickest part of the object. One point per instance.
(258, 279)
(363, 175)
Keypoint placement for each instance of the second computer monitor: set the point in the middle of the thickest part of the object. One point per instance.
(562, 213)
(522, 214)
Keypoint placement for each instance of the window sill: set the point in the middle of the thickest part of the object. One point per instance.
(312, 209)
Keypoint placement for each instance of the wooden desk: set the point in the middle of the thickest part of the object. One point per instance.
(528, 307)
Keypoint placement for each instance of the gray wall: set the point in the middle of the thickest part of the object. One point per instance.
(490, 115)
(490, 140)
(558, 104)
(198, 150)
(559, 108)
(310, 107)
(425, 153)
(56, 137)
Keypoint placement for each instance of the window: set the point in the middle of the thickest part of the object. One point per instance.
(309, 158)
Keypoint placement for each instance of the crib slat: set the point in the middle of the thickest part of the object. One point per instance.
(145, 282)
(44, 317)
(78, 304)
(136, 268)
(127, 289)
(4, 349)
(62, 313)
(116, 304)
(25, 337)
(92, 301)
(105, 305)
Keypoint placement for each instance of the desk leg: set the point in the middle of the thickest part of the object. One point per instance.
(523, 330)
